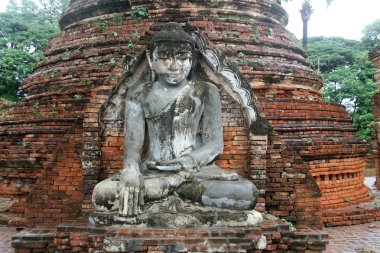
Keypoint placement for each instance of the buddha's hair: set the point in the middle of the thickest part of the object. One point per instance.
(171, 32)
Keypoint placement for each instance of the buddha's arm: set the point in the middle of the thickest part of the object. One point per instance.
(134, 132)
(212, 130)
(131, 181)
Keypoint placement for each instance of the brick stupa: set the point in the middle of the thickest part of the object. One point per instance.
(55, 146)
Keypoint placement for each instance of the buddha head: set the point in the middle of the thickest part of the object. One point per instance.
(172, 54)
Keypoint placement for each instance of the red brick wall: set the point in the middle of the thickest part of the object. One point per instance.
(58, 192)
(33, 142)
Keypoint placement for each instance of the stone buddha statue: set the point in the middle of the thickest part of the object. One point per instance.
(173, 133)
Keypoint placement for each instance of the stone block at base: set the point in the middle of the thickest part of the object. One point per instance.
(273, 235)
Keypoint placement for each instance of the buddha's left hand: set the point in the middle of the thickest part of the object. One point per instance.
(180, 163)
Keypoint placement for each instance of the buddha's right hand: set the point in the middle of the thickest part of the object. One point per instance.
(131, 191)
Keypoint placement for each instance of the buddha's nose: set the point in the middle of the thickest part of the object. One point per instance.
(173, 64)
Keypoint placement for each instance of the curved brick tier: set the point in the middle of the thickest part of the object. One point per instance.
(255, 38)
(84, 63)
(322, 134)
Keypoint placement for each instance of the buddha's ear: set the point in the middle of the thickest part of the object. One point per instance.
(194, 59)
(152, 73)
(149, 58)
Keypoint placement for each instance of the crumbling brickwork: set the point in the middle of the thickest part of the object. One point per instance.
(322, 135)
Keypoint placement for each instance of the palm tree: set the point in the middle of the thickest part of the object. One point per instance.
(306, 11)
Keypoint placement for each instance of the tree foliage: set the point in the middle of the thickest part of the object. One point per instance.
(353, 86)
(25, 29)
(15, 65)
(371, 34)
(328, 53)
(348, 77)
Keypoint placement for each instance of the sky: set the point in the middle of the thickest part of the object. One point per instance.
(343, 18)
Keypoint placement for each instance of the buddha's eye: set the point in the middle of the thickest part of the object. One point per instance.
(183, 55)
(163, 55)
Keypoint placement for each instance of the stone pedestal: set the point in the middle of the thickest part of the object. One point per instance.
(78, 236)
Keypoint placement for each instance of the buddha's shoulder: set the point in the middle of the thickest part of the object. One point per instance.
(138, 90)
(205, 86)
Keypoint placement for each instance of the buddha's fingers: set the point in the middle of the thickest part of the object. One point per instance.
(141, 197)
(142, 191)
(121, 201)
(124, 196)
(131, 201)
(136, 202)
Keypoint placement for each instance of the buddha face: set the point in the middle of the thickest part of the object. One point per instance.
(172, 62)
